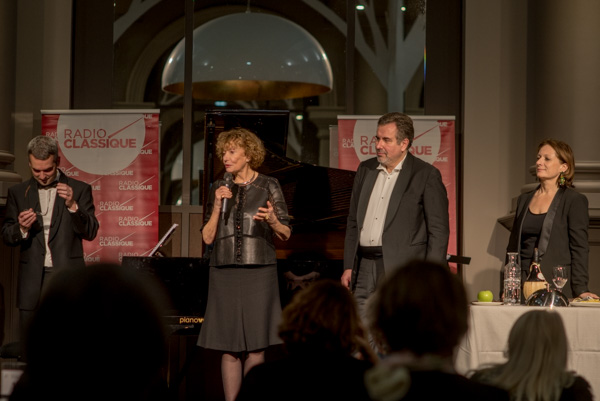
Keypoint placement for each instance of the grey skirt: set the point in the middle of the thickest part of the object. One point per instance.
(243, 309)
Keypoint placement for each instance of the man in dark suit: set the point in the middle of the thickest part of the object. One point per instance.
(48, 216)
(398, 211)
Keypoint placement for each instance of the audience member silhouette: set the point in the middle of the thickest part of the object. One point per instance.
(97, 335)
(327, 351)
(419, 317)
(537, 362)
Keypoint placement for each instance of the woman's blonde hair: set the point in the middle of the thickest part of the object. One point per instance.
(537, 358)
(245, 139)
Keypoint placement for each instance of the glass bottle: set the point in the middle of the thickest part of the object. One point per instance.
(535, 280)
(512, 281)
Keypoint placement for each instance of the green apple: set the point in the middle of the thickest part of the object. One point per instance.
(485, 296)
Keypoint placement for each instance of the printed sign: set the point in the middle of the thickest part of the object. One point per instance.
(116, 152)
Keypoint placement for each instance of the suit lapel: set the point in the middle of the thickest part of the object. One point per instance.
(521, 218)
(32, 196)
(57, 211)
(399, 189)
(548, 221)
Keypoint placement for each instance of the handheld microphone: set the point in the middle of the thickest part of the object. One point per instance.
(228, 182)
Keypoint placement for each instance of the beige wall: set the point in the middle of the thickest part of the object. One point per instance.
(494, 132)
(44, 38)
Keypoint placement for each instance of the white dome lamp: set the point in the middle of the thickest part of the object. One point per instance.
(251, 56)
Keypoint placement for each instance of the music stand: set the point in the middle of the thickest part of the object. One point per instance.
(155, 251)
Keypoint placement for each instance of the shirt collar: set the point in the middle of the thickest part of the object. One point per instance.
(396, 169)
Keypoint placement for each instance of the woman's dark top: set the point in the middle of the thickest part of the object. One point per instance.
(240, 239)
(530, 234)
(426, 378)
(578, 390)
(307, 376)
(436, 385)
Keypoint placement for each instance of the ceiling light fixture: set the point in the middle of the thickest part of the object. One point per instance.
(251, 56)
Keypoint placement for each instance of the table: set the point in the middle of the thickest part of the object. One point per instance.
(489, 326)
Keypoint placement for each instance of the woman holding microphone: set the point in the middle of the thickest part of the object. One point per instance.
(245, 212)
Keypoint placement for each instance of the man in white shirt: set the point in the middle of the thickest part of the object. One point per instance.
(398, 211)
(48, 216)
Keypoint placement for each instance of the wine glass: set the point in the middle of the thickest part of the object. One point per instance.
(559, 277)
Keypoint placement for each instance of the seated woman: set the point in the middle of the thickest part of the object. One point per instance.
(419, 317)
(322, 335)
(537, 362)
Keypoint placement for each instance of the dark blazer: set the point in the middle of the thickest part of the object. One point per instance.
(563, 239)
(310, 375)
(578, 390)
(437, 385)
(66, 234)
(416, 224)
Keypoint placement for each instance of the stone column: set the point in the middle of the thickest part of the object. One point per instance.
(8, 18)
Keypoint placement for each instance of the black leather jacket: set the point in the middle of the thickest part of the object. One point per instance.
(240, 239)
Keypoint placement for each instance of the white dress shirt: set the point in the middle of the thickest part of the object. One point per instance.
(372, 229)
(47, 199)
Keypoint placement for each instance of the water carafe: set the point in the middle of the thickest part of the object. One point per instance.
(512, 281)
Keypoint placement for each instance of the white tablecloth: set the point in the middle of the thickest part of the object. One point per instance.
(489, 326)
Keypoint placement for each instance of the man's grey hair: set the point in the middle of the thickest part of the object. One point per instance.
(404, 126)
(42, 147)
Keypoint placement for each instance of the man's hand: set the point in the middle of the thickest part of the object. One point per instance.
(346, 277)
(65, 192)
(26, 219)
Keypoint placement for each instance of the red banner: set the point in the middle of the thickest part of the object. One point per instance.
(433, 142)
(116, 152)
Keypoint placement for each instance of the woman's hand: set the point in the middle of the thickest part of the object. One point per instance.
(268, 215)
(221, 193)
(209, 231)
(585, 295)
